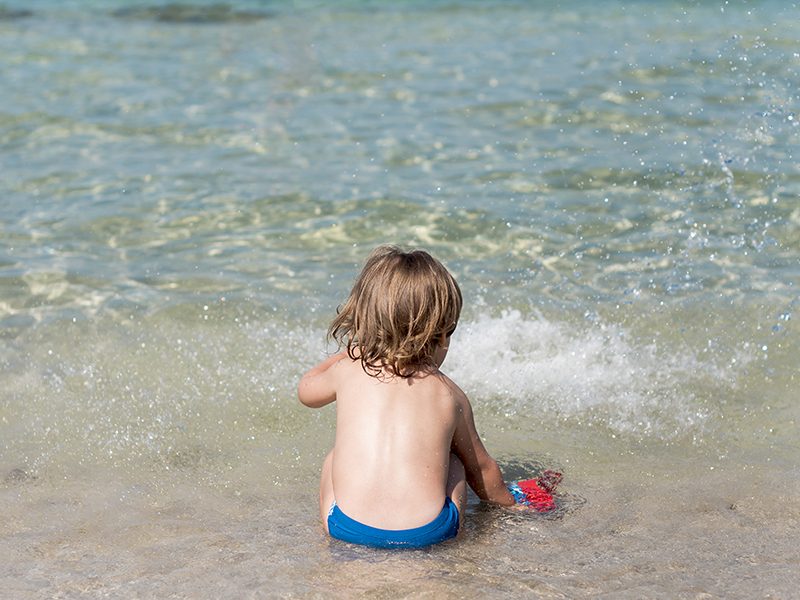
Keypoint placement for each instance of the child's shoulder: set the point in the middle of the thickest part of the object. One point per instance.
(449, 388)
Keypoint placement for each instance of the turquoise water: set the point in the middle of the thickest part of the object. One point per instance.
(188, 190)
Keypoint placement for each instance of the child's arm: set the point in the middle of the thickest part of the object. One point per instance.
(316, 387)
(483, 474)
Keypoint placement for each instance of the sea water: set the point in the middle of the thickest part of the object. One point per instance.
(187, 191)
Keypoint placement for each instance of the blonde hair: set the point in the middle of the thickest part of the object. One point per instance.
(400, 307)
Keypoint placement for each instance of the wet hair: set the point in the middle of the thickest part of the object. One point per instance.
(400, 307)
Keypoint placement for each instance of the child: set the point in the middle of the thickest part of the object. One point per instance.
(406, 444)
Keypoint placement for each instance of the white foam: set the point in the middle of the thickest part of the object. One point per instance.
(593, 372)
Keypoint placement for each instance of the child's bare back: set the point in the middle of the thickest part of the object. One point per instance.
(406, 444)
(392, 447)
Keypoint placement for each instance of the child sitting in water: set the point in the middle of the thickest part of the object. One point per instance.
(406, 444)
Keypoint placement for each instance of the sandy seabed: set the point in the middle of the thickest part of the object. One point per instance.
(651, 536)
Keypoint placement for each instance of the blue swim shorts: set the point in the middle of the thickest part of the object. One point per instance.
(443, 527)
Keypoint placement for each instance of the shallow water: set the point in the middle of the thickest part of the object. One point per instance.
(188, 190)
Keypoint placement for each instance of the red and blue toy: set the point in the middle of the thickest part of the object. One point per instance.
(537, 493)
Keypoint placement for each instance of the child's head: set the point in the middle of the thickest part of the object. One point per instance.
(401, 309)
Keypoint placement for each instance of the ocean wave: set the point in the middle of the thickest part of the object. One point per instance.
(597, 374)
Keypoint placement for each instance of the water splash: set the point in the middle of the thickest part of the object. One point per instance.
(596, 373)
